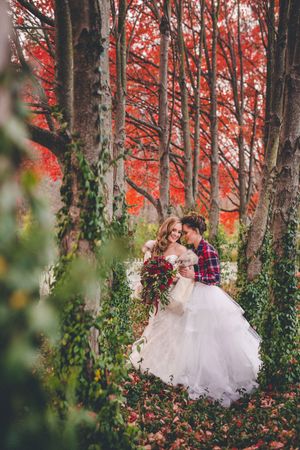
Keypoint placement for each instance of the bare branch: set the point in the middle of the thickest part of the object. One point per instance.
(36, 12)
(142, 191)
(54, 142)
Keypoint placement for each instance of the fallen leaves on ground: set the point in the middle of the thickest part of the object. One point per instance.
(169, 420)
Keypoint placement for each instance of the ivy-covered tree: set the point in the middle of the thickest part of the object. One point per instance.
(276, 52)
(280, 323)
(254, 275)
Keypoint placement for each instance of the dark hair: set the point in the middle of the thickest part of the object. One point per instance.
(195, 222)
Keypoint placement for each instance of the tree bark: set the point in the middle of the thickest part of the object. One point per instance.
(37, 13)
(251, 158)
(235, 66)
(285, 216)
(54, 142)
(64, 61)
(119, 137)
(242, 162)
(270, 21)
(260, 219)
(163, 121)
(87, 38)
(92, 126)
(214, 210)
(106, 141)
(286, 197)
(188, 163)
(198, 106)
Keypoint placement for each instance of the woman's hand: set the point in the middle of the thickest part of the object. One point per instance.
(187, 272)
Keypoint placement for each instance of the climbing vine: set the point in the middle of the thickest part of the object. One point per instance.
(270, 304)
(280, 322)
(253, 295)
(92, 197)
(96, 378)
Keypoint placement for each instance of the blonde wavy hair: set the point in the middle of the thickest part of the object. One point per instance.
(162, 235)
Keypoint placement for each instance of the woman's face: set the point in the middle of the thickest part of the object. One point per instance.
(175, 233)
(190, 235)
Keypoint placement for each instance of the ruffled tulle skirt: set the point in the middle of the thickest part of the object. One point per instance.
(210, 349)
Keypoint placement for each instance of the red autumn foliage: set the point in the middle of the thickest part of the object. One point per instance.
(142, 97)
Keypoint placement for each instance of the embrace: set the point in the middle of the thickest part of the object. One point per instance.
(201, 339)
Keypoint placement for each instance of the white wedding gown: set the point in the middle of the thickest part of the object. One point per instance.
(210, 349)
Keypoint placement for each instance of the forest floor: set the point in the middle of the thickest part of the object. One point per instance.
(170, 420)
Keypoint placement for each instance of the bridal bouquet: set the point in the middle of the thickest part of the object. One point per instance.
(157, 276)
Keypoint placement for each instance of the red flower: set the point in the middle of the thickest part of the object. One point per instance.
(132, 418)
(156, 277)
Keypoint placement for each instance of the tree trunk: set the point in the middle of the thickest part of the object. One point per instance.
(286, 197)
(64, 61)
(197, 108)
(259, 223)
(270, 20)
(188, 163)
(106, 141)
(85, 165)
(119, 137)
(214, 209)
(163, 121)
(91, 126)
(251, 158)
(285, 219)
(242, 162)
(236, 72)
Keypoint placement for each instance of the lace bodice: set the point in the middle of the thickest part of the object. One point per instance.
(172, 258)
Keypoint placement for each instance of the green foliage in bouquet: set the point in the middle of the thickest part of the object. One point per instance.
(157, 276)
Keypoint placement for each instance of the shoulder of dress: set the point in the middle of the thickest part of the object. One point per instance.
(149, 245)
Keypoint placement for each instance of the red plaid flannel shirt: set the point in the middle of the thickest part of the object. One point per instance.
(208, 268)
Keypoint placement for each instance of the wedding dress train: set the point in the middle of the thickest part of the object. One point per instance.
(210, 348)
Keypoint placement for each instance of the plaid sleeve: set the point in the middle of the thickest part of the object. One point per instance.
(210, 274)
(197, 272)
(212, 268)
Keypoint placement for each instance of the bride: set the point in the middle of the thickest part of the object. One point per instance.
(208, 346)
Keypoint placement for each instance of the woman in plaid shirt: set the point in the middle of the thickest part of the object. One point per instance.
(220, 351)
(207, 270)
